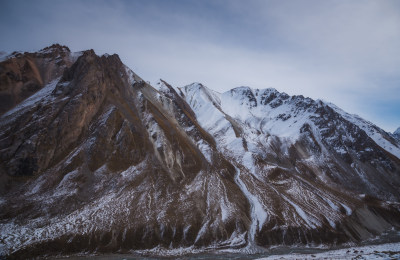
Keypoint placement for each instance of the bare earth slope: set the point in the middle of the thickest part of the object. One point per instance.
(94, 159)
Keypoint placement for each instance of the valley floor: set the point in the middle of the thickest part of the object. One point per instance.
(384, 251)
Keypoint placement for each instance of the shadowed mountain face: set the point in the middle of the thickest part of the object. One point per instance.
(93, 159)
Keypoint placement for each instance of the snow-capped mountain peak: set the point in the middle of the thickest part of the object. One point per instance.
(396, 135)
(247, 121)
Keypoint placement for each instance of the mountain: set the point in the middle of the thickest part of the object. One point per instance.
(261, 129)
(397, 134)
(96, 160)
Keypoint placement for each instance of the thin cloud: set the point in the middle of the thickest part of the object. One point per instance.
(345, 52)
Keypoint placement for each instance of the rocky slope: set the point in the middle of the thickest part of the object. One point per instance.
(94, 159)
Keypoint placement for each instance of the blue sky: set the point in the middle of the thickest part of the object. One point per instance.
(341, 51)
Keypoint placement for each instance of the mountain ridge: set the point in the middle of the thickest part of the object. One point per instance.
(364, 124)
(97, 160)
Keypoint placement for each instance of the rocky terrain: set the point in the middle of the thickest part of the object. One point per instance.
(95, 160)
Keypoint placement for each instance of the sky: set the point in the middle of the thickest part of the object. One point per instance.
(344, 51)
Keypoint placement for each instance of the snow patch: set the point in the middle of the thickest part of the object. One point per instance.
(131, 75)
(347, 209)
(42, 95)
(301, 213)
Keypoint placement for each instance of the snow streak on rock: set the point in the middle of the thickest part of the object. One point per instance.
(258, 215)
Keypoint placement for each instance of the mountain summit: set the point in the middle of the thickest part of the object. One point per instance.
(397, 133)
(96, 160)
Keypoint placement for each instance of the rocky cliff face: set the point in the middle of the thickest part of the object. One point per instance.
(23, 74)
(93, 159)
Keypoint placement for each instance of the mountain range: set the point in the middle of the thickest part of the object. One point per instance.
(96, 160)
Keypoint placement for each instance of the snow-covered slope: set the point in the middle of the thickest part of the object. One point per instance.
(382, 138)
(272, 112)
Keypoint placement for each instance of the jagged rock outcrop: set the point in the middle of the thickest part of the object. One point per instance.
(94, 159)
(23, 74)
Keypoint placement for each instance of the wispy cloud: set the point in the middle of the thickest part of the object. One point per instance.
(342, 51)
